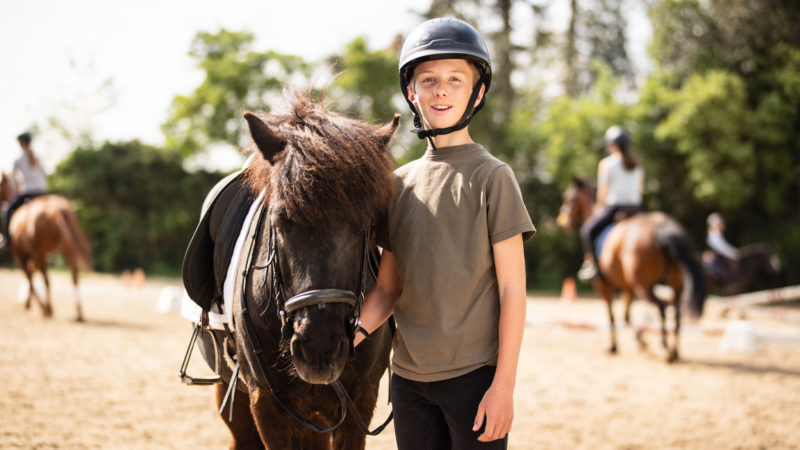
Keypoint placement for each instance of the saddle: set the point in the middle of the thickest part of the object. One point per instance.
(209, 252)
(622, 214)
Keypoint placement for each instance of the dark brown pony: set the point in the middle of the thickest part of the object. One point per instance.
(40, 227)
(755, 259)
(637, 253)
(326, 180)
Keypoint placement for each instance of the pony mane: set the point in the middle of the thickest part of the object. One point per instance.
(332, 168)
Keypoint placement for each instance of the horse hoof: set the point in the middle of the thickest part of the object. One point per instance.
(673, 357)
(612, 350)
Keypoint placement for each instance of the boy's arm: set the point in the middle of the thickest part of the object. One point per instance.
(379, 302)
(497, 406)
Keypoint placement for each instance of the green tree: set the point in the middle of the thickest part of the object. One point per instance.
(237, 78)
(367, 86)
(722, 114)
(136, 203)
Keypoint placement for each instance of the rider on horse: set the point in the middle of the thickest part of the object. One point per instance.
(620, 183)
(723, 256)
(28, 180)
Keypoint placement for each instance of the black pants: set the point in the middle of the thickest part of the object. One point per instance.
(598, 222)
(440, 415)
(19, 201)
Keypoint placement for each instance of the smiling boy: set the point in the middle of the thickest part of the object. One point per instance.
(452, 271)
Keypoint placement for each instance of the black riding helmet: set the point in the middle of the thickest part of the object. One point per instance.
(618, 136)
(445, 38)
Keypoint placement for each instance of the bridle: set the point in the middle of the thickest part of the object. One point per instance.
(318, 297)
(314, 297)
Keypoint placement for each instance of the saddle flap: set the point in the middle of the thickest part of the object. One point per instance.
(223, 210)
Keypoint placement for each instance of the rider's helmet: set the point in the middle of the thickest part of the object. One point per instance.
(715, 219)
(25, 137)
(618, 136)
(445, 38)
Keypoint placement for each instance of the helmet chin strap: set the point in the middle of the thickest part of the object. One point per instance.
(469, 113)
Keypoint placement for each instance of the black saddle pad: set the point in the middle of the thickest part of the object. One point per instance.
(205, 262)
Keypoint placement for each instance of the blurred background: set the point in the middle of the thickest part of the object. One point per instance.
(136, 108)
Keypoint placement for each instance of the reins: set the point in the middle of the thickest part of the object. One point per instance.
(285, 309)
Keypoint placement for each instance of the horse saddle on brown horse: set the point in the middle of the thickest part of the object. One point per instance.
(208, 255)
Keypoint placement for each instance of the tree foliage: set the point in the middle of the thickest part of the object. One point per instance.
(237, 78)
(136, 203)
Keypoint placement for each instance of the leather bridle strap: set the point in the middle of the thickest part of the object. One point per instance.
(258, 350)
(342, 393)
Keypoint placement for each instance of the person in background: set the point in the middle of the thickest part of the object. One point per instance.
(724, 256)
(28, 180)
(620, 183)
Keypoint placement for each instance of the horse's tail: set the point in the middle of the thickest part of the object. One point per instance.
(73, 238)
(671, 238)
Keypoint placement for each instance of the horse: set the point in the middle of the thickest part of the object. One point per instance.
(753, 259)
(638, 252)
(43, 225)
(326, 182)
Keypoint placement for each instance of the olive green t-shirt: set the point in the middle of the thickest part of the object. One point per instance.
(450, 206)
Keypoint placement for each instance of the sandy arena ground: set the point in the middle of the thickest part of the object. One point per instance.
(111, 382)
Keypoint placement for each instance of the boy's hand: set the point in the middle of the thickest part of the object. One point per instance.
(497, 407)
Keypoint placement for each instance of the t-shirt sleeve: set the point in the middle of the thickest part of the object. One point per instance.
(506, 212)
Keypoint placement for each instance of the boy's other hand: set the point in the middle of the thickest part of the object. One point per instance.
(497, 409)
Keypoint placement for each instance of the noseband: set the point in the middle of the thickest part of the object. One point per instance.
(313, 297)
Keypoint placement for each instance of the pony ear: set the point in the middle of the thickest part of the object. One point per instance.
(268, 143)
(386, 132)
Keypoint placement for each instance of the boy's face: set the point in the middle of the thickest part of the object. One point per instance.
(441, 88)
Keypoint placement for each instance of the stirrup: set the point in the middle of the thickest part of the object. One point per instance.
(188, 379)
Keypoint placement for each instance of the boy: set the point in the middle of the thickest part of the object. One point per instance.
(453, 268)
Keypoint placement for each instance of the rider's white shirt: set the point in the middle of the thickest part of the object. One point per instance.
(717, 242)
(623, 185)
(27, 178)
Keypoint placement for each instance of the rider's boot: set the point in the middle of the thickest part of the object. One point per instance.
(588, 270)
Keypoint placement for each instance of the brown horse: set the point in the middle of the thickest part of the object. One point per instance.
(637, 253)
(326, 180)
(738, 277)
(40, 227)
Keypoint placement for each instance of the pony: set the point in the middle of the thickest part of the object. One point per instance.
(43, 225)
(754, 259)
(638, 252)
(326, 183)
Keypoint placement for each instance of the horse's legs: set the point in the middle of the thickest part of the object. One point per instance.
(73, 265)
(628, 297)
(243, 428)
(607, 292)
(662, 313)
(47, 305)
(673, 354)
(31, 291)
